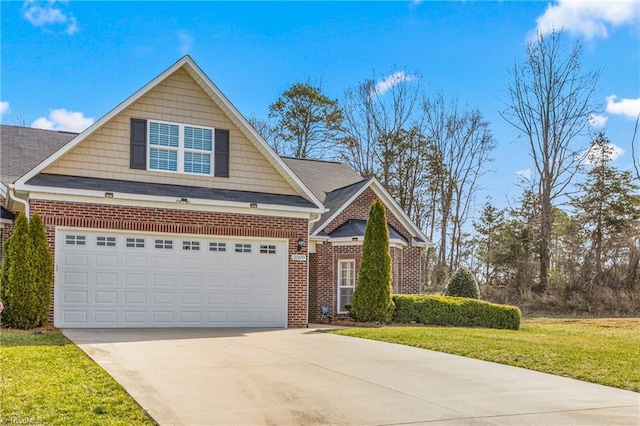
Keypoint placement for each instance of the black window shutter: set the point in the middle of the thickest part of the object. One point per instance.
(221, 162)
(138, 150)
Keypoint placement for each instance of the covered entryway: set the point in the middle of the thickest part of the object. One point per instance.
(107, 278)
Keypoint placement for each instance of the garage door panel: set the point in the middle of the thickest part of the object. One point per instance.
(163, 298)
(132, 280)
(163, 318)
(135, 318)
(191, 298)
(217, 299)
(163, 262)
(147, 280)
(191, 317)
(76, 297)
(106, 279)
(75, 259)
(76, 278)
(106, 260)
(135, 261)
(135, 297)
(105, 318)
(102, 297)
(191, 281)
(194, 264)
(163, 280)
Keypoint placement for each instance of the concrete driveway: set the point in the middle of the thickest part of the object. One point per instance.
(299, 376)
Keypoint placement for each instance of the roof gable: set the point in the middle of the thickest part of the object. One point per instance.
(242, 126)
(342, 202)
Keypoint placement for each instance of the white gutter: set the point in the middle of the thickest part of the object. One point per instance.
(14, 197)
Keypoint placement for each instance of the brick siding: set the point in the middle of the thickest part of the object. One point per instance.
(68, 214)
(323, 266)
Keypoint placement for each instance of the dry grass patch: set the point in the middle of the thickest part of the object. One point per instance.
(604, 351)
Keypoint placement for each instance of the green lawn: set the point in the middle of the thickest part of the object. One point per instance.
(605, 351)
(46, 379)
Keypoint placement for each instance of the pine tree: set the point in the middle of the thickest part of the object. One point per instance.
(42, 268)
(18, 293)
(372, 297)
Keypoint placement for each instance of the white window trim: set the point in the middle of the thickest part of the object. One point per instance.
(181, 150)
(340, 286)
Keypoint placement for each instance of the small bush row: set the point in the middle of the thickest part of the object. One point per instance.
(454, 312)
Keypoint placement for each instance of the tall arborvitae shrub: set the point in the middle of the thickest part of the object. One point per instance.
(372, 297)
(41, 267)
(19, 295)
(463, 284)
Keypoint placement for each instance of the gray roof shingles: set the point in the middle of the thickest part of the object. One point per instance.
(23, 148)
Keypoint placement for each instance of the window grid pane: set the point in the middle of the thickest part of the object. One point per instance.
(135, 242)
(164, 244)
(346, 283)
(162, 134)
(243, 248)
(267, 249)
(217, 246)
(191, 245)
(197, 163)
(106, 241)
(198, 138)
(163, 159)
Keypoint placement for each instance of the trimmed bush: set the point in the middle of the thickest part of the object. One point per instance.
(454, 312)
(462, 284)
(371, 299)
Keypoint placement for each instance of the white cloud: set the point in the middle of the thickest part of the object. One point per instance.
(4, 107)
(383, 86)
(186, 41)
(61, 119)
(627, 107)
(49, 15)
(524, 174)
(588, 18)
(595, 154)
(597, 120)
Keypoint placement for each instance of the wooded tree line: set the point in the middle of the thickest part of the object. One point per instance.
(570, 240)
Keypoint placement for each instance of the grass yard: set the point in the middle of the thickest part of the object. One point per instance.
(46, 379)
(605, 351)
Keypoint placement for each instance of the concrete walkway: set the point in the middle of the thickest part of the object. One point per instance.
(302, 377)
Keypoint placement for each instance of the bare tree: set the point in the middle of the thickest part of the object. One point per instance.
(462, 142)
(268, 132)
(551, 98)
(373, 121)
(635, 152)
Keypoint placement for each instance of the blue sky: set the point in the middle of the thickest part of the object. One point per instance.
(66, 64)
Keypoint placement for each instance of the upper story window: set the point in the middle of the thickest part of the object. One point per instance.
(180, 148)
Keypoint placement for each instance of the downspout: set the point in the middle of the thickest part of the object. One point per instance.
(14, 197)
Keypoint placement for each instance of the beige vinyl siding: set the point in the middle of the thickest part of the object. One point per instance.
(180, 99)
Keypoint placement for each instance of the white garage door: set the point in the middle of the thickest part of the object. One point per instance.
(112, 279)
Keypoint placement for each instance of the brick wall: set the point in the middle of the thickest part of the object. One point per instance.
(323, 270)
(57, 213)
